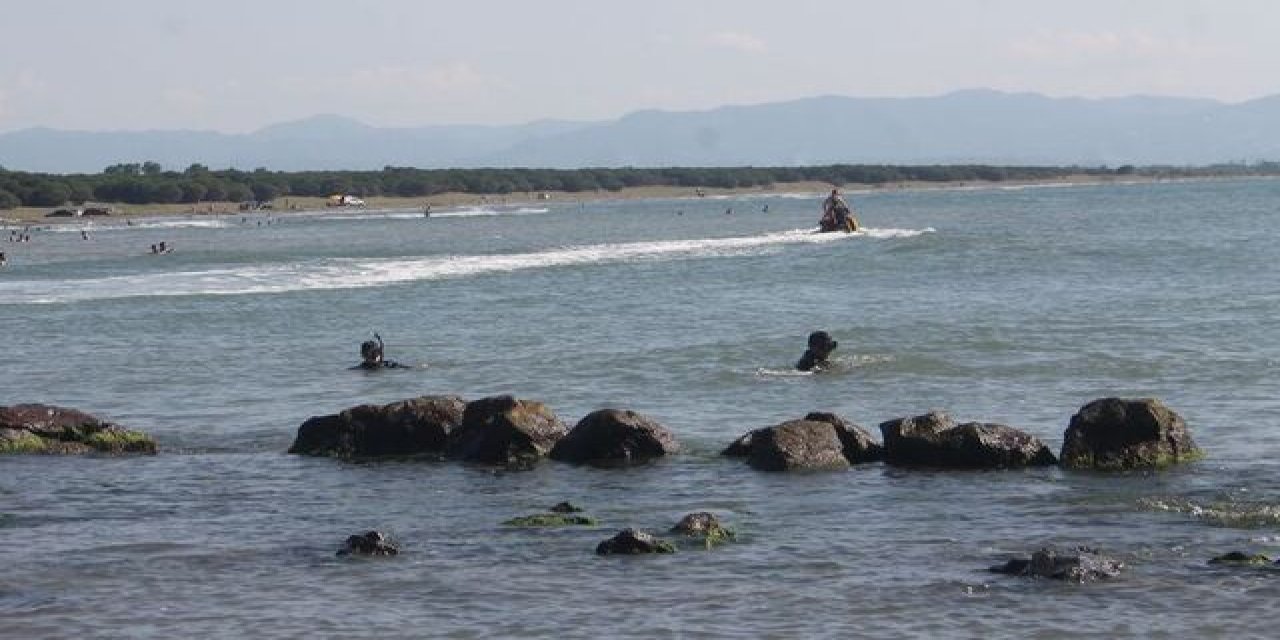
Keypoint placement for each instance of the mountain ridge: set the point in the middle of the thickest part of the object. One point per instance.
(967, 126)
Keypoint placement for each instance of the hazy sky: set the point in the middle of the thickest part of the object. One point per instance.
(236, 65)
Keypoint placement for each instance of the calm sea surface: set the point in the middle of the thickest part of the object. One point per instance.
(1013, 305)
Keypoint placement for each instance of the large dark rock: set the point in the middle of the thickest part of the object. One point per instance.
(827, 441)
(503, 430)
(372, 543)
(857, 444)
(1115, 433)
(1079, 565)
(405, 428)
(615, 437)
(934, 440)
(38, 428)
(632, 542)
(797, 445)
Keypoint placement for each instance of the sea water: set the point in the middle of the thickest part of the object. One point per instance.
(1014, 305)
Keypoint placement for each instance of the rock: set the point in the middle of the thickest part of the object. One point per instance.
(44, 429)
(797, 445)
(551, 520)
(704, 525)
(1114, 433)
(858, 445)
(818, 441)
(612, 436)
(630, 541)
(565, 507)
(502, 430)
(405, 428)
(372, 543)
(1241, 558)
(740, 448)
(934, 440)
(1082, 565)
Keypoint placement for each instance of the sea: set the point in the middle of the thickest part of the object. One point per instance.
(1007, 304)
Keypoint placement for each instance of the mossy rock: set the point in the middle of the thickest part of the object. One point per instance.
(551, 520)
(706, 527)
(1241, 558)
(42, 429)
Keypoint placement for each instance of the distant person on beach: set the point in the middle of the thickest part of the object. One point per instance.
(3, 259)
(371, 356)
(820, 347)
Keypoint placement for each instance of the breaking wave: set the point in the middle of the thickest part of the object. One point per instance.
(352, 273)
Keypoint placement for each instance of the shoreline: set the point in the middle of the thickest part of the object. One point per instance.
(27, 216)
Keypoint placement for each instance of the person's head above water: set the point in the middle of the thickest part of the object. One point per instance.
(815, 357)
(371, 351)
(820, 342)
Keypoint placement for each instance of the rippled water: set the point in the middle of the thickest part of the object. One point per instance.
(1007, 305)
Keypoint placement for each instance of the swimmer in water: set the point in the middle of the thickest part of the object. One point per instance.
(371, 356)
(815, 357)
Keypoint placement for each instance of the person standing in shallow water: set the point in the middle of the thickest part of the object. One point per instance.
(815, 357)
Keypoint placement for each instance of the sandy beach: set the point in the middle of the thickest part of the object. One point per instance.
(28, 215)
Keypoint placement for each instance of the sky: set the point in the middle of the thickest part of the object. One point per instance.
(238, 65)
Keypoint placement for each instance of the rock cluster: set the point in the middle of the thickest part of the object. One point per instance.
(45, 429)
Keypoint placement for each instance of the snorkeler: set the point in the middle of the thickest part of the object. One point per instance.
(371, 356)
(820, 347)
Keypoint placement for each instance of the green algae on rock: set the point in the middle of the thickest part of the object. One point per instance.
(44, 429)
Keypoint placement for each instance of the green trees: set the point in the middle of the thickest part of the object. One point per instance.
(8, 200)
(47, 194)
(148, 182)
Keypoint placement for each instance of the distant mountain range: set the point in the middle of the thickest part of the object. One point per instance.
(973, 126)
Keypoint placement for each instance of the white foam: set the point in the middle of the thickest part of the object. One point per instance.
(409, 214)
(350, 273)
(143, 223)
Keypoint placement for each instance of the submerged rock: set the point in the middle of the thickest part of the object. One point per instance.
(1241, 558)
(818, 441)
(1079, 565)
(615, 437)
(405, 428)
(371, 543)
(551, 520)
(935, 440)
(1115, 433)
(632, 542)
(503, 430)
(45, 429)
(704, 525)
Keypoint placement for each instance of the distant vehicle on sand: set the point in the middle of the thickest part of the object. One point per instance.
(64, 212)
(343, 200)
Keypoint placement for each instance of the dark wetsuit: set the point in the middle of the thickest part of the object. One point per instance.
(383, 364)
(810, 361)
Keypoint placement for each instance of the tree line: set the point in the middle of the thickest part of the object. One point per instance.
(150, 183)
